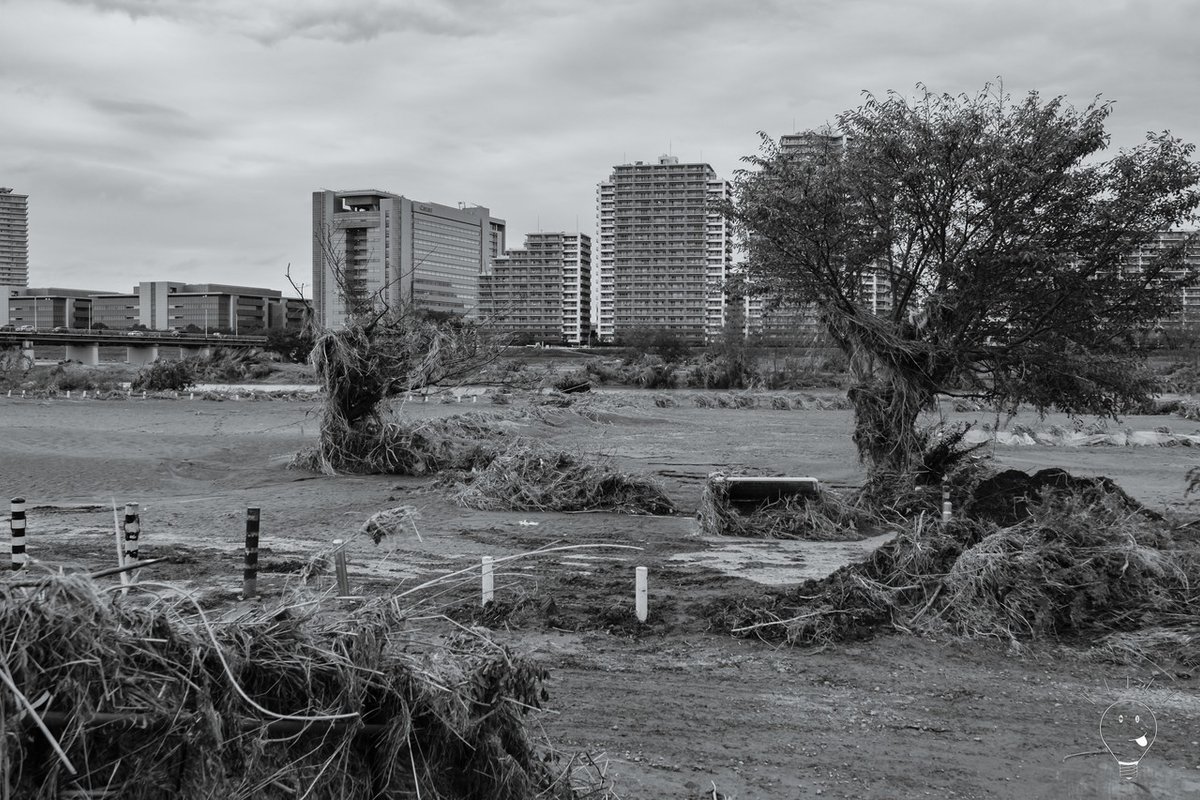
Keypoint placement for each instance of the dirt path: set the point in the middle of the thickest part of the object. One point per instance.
(673, 709)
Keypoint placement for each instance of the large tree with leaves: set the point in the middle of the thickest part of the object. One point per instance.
(1003, 232)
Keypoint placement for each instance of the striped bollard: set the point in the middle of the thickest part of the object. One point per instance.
(488, 580)
(250, 571)
(945, 501)
(132, 528)
(17, 525)
(641, 599)
(339, 566)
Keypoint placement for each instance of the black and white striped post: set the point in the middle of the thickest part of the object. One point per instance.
(17, 525)
(945, 500)
(250, 571)
(132, 528)
(339, 568)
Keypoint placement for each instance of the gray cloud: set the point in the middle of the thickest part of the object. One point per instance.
(164, 136)
(274, 21)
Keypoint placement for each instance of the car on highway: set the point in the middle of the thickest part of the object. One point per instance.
(136, 333)
(61, 329)
(7, 328)
(27, 329)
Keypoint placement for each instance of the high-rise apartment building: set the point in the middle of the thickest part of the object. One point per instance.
(541, 292)
(792, 324)
(1189, 301)
(14, 238)
(665, 249)
(386, 249)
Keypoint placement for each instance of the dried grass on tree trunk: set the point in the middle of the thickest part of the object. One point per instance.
(359, 368)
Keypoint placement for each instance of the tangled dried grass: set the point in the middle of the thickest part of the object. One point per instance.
(142, 697)
(524, 478)
(409, 448)
(1082, 564)
(827, 517)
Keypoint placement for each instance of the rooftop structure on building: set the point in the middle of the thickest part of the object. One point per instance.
(665, 250)
(813, 143)
(14, 238)
(381, 249)
(541, 292)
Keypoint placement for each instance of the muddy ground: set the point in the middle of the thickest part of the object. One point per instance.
(671, 709)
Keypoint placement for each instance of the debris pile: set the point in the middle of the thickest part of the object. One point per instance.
(1049, 557)
(828, 516)
(526, 478)
(141, 696)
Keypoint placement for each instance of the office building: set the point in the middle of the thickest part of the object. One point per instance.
(14, 238)
(163, 305)
(665, 250)
(388, 250)
(541, 292)
(45, 308)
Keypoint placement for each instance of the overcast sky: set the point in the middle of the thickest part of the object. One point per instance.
(182, 139)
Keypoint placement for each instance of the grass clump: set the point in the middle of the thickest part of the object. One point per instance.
(524, 478)
(164, 376)
(827, 517)
(402, 447)
(281, 704)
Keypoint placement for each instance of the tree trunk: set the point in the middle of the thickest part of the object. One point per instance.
(885, 425)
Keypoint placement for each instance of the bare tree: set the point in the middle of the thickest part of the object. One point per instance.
(384, 349)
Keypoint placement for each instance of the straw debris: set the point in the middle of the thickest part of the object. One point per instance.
(827, 517)
(143, 697)
(1079, 562)
(524, 478)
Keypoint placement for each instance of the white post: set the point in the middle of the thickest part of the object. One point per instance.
(489, 586)
(641, 599)
(945, 501)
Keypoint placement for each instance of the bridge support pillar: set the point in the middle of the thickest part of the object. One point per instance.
(141, 354)
(88, 354)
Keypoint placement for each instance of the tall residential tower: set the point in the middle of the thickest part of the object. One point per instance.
(665, 249)
(541, 292)
(14, 238)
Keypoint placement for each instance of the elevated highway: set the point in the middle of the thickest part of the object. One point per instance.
(141, 347)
